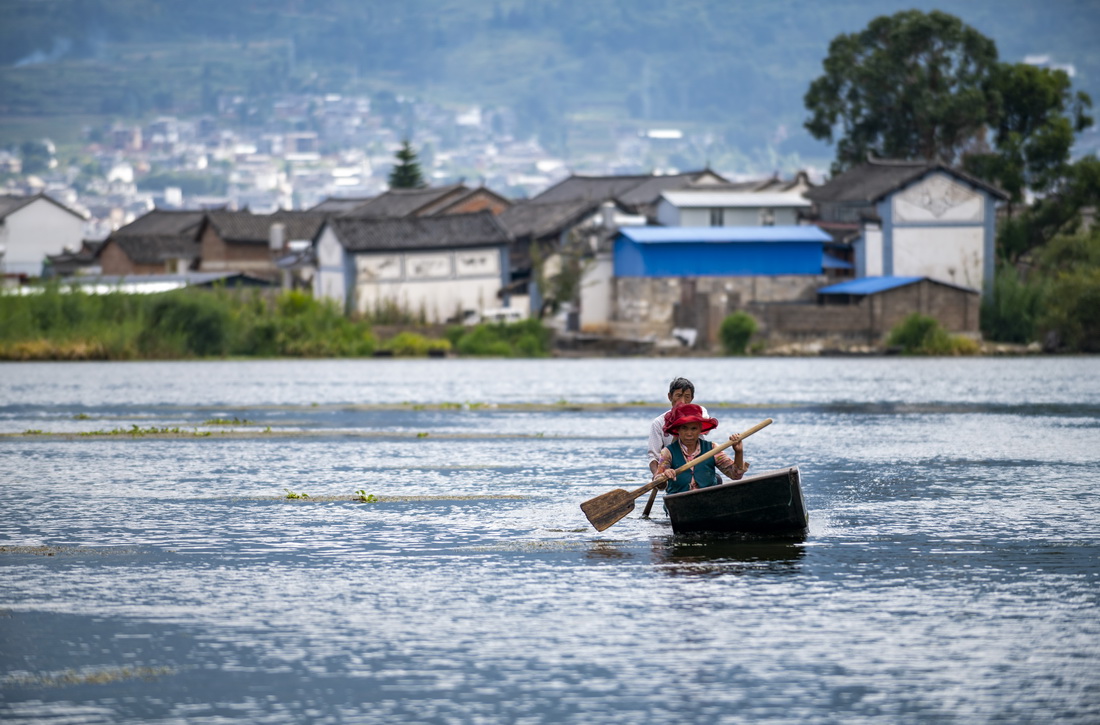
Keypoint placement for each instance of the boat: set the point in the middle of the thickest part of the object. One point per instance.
(765, 503)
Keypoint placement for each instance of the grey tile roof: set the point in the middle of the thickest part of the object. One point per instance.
(10, 203)
(340, 205)
(869, 182)
(404, 202)
(537, 220)
(242, 227)
(162, 221)
(445, 231)
(632, 190)
(156, 249)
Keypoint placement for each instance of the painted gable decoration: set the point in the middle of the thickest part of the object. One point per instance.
(938, 198)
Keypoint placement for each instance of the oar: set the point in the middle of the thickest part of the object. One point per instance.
(649, 504)
(607, 509)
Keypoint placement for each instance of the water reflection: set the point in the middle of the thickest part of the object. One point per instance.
(713, 555)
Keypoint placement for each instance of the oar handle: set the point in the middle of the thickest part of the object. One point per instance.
(706, 456)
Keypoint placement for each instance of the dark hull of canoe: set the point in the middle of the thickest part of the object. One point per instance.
(765, 503)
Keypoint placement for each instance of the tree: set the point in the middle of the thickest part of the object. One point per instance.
(36, 156)
(910, 85)
(406, 173)
(1037, 118)
(1057, 212)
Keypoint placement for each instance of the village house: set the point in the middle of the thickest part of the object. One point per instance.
(730, 207)
(159, 242)
(912, 218)
(240, 241)
(438, 268)
(32, 227)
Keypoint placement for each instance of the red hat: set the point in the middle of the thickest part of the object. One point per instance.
(687, 413)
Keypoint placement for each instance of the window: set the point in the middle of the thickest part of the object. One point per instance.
(717, 218)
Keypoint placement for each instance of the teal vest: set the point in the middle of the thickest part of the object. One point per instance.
(705, 475)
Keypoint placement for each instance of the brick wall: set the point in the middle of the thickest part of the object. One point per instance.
(220, 256)
(112, 260)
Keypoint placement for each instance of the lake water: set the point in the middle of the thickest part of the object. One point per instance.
(951, 572)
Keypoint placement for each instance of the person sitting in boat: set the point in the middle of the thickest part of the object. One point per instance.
(687, 424)
(680, 391)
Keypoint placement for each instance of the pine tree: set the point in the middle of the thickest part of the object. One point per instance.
(406, 173)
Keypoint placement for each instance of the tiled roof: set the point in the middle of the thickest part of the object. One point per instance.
(536, 219)
(243, 227)
(10, 203)
(446, 231)
(340, 205)
(632, 190)
(404, 202)
(443, 205)
(869, 182)
(161, 221)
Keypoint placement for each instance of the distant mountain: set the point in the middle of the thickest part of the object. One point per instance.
(738, 68)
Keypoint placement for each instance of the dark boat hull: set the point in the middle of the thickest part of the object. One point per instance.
(764, 503)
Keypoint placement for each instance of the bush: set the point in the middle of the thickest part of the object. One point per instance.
(919, 334)
(735, 332)
(1072, 318)
(411, 344)
(527, 338)
(1011, 313)
(55, 324)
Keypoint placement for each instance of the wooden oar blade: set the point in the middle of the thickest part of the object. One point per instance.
(605, 510)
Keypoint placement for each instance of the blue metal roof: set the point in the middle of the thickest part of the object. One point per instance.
(828, 261)
(665, 235)
(867, 285)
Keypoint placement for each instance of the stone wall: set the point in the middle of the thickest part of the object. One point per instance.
(786, 308)
(653, 306)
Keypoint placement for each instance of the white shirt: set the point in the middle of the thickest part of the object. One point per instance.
(657, 437)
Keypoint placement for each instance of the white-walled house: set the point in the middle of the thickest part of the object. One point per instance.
(730, 208)
(914, 218)
(32, 227)
(436, 266)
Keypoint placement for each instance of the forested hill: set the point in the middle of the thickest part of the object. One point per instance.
(741, 66)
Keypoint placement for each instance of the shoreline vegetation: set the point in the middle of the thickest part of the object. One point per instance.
(188, 324)
(59, 324)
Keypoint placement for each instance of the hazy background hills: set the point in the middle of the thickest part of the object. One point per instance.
(569, 70)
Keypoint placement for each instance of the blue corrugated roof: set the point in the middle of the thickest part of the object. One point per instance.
(828, 261)
(656, 235)
(867, 285)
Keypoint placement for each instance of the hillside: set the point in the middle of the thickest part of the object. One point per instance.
(567, 69)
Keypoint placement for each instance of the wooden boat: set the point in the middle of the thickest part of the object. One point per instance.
(764, 503)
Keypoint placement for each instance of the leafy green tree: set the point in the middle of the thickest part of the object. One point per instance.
(1058, 212)
(910, 85)
(406, 174)
(1037, 119)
